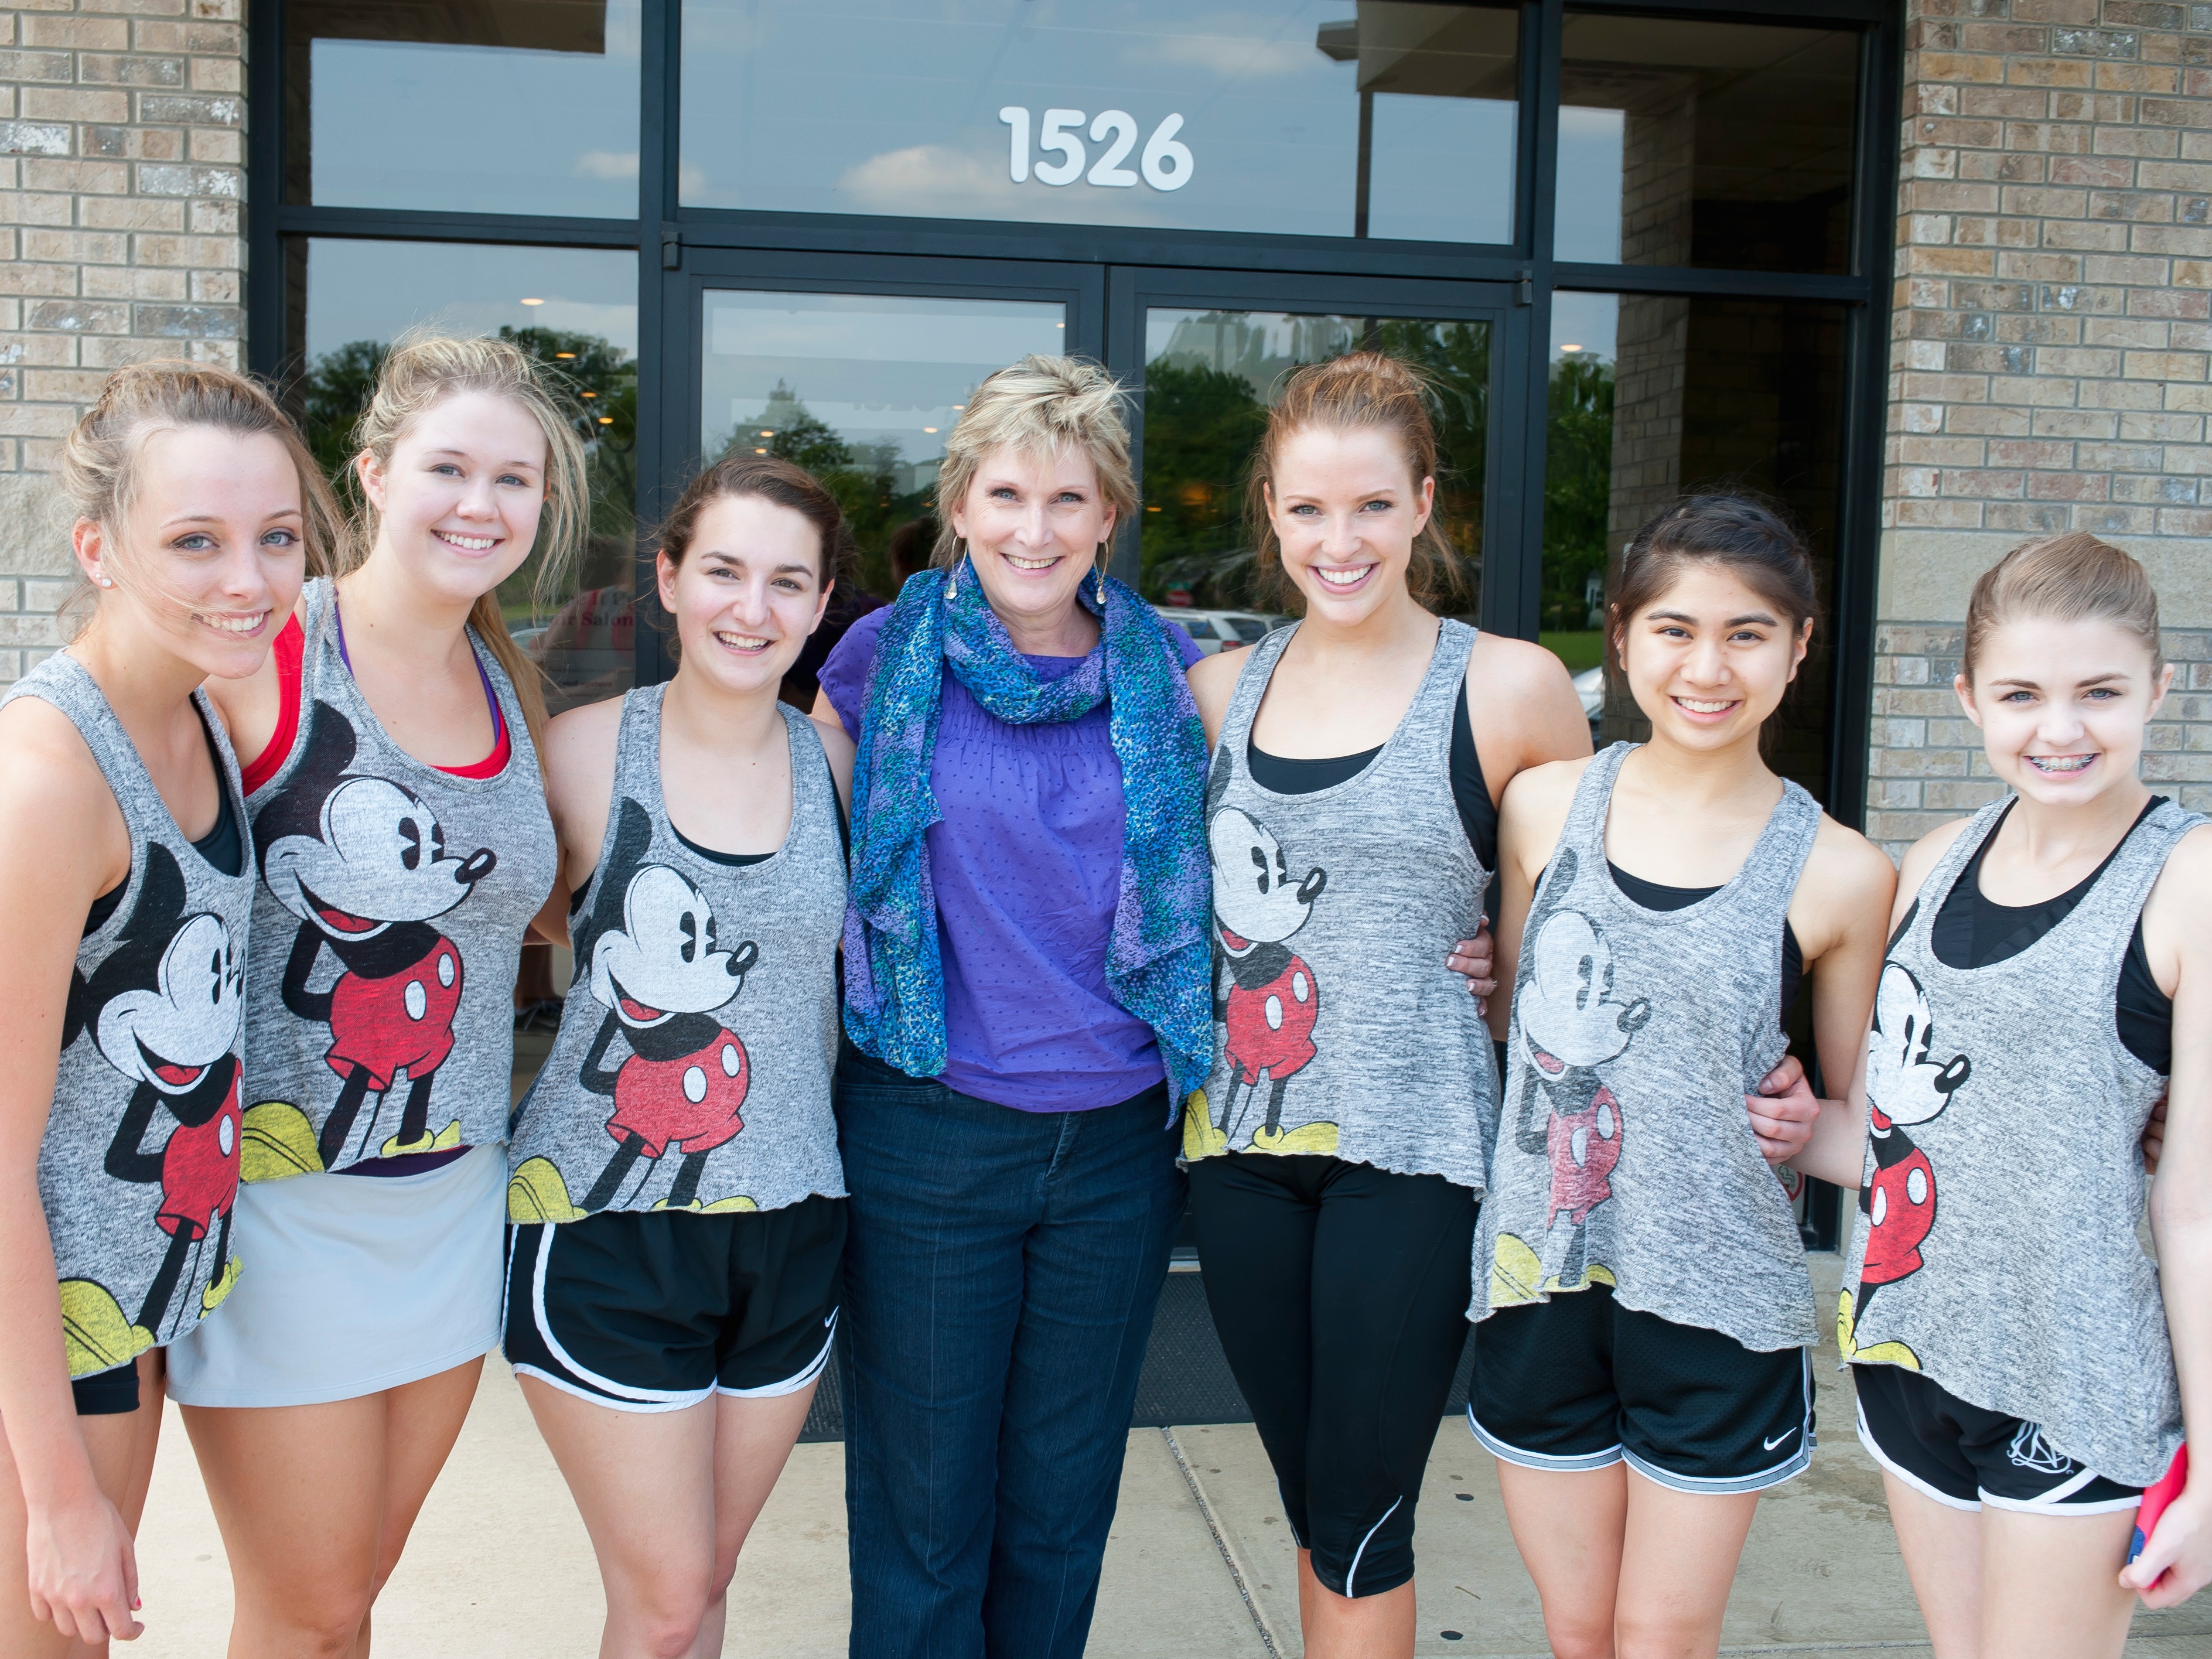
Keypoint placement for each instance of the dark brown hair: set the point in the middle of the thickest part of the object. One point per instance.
(1359, 389)
(773, 479)
(2069, 578)
(1748, 536)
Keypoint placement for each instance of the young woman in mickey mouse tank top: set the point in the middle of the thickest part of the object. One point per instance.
(1642, 1355)
(123, 875)
(2023, 1369)
(677, 1199)
(402, 848)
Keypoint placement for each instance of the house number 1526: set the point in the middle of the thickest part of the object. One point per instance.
(1166, 162)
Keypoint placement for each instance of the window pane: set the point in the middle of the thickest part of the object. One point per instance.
(1719, 144)
(518, 106)
(574, 310)
(1652, 396)
(1396, 121)
(859, 389)
(1209, 377)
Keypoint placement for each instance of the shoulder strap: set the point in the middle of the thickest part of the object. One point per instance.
(1939, 882)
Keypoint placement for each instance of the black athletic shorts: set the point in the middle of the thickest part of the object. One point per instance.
(1581, 1383)
(656, 1310)
(1962, 1456)
(107, 1393)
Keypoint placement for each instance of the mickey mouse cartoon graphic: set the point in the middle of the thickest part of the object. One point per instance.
(361, 861)
(1904, 1086)
(163, 1009)
(1273, 998)
(1569, 1023)
(656, 970)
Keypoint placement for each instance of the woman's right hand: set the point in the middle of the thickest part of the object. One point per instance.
(83, 1572)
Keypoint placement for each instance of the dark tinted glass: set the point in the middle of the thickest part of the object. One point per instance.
(576, 311)
(1693, 143)
(1210, 378)
(488, 106)
(1654, 395)
(1331, 117)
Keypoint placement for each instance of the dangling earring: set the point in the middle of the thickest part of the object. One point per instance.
(1101, 584)
(952, 577)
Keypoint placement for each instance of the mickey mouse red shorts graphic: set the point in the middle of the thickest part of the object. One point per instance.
(1273, 999)
(1904, 1086)
(362, 862)
(163, 1009)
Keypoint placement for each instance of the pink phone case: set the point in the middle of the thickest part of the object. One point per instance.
(2155, 1499)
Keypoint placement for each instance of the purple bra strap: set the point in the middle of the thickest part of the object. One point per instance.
(491, 697)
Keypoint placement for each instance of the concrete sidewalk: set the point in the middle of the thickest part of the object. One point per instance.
(1200, 1562)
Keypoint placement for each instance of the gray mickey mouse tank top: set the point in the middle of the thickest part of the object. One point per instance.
(139, 1168)
(389, 915)
(1625, 1156)
(1337, 1029)
(692, 1067)
(1995, 1249)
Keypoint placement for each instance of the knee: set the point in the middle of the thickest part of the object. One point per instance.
(330, 1628)
(1577, 1640)
(664, 1613)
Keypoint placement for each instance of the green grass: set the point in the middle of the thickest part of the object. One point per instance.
(1578, 651)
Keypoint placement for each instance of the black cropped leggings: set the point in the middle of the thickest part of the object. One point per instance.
(1340, 1293)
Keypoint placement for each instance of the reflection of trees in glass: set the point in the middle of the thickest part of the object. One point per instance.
(1206, 408)
(597, 376)
(1578, 489)
(865, 479)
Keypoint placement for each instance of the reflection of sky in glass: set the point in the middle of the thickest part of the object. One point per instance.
(478, 129)
(1590, 148)
(884, 371)
(375, 290)
(853, 106)
(1260, 346)
(1590, 322)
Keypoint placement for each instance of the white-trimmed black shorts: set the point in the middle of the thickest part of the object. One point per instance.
(657, 1310)
(1581, 1382)
(1964, 1456)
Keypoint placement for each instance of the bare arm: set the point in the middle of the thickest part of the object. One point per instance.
(62, 843)
(1213, 683)
(579, 787)
(1840, 914)
(1529, 820)
(2177, 1562)
(840, 749)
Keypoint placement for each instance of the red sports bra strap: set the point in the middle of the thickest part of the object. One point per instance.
(290, 650)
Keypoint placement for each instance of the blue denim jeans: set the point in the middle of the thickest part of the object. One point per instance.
(1001, 1272)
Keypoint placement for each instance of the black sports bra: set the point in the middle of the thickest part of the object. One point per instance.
(1972, 931)
(1478, 813)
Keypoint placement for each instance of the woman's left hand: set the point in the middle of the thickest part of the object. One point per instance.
(1472, 959)
(2177, 1562)
(1782, 1112)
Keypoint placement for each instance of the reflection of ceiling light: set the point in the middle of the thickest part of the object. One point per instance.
(1152, 509)
(768, 435)
(1055, 324)
(534, 302)
(760, 452)
(1571, 348)
(564, 355)
(929, 428)
(591, 394)
(959, 406)
(607, 420)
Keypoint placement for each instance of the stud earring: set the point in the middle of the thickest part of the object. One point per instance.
(107, 581)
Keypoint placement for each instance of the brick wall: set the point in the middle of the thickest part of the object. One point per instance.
(2053, 335)
(122, 178)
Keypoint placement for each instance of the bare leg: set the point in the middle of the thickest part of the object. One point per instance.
(2050, 1585)
(1678, 1563)
(1353, 1628)
(315, 1503)
(667, 1498)
(1942, 1552)
(1571, 1529)
(122, 1450)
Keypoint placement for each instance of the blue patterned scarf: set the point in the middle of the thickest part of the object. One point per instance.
(1157, 960)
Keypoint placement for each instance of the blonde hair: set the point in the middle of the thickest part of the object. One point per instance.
(1041, 405)
(421, 372)
(1359, 389)
(2069, 578)
(101, 456)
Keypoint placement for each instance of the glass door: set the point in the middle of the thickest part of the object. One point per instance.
(1209, 354)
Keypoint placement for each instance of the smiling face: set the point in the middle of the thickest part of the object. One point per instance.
(210, 558)
(1033, 524)
(379, 860)
(1345, 509)
(1709, 660)
(1256, 900)
(2062, 705)
(746, 593)
(665, 962)
(170, 1033)
(461, 494)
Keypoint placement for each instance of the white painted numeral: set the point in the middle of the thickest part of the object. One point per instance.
(1018, 157)
(1108, 170)
(1053, 134)
(1167, 161)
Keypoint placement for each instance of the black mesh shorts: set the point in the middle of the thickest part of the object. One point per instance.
(1581, 1383)
(1963, 1457)
(654, 1311)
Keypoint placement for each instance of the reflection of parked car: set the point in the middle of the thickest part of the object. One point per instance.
(1589, 686)
(1217, 630)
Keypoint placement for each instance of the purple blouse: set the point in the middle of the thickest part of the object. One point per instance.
(1027, 862)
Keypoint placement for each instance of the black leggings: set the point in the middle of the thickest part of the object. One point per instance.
(1340, 1293)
